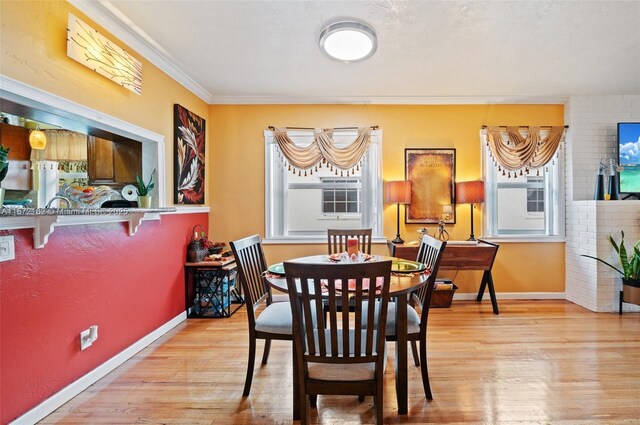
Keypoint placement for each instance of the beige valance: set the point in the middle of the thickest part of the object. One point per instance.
(323, 150)
(518, 152)
(62, 145)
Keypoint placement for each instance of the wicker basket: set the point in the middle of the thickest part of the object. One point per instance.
(195, 251)
(442, 298)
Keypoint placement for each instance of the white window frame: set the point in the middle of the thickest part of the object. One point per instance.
(343, 184)
(275, 199)
(554, 199)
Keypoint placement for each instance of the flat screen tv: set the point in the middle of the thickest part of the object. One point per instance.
(629, 157)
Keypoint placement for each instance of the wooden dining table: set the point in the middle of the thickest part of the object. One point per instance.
(401, 285)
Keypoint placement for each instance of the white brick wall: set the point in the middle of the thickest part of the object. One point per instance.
(591, 136)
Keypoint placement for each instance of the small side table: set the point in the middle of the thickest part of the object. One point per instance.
(212, 291)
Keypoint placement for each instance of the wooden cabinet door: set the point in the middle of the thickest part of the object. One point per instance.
(100, 155)
(16, 138)
(127, 161)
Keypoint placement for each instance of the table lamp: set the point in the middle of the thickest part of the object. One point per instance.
(470, 193)
(398, 192)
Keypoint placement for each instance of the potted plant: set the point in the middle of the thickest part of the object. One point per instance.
(144, 190)
(4, 168)
(630, 270)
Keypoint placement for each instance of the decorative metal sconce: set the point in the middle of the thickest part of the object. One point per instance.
(96, 52)
(447, 213)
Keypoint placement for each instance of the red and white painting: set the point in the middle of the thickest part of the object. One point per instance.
(189, 139)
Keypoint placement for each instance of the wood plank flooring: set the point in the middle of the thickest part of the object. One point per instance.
(541, 362)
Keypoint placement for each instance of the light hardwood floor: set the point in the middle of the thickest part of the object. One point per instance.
(537, 362)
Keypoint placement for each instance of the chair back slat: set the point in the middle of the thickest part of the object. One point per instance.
(337, 240)
(251, 264)
(430, 254)
(339, 339)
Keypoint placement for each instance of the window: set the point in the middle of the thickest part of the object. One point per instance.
(524, 206)
(302, 207)
(535, 196)
(340, 196)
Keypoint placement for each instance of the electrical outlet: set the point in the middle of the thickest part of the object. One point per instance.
(7, 248)
(88, 337)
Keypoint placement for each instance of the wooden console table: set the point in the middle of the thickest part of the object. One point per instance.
(461, 257)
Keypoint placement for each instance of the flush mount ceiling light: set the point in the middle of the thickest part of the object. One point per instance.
(348, 41)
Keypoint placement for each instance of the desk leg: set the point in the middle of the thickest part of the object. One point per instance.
(487, 279)
(401, 354)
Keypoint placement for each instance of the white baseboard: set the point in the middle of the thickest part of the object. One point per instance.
(73, 389)
(513, 296)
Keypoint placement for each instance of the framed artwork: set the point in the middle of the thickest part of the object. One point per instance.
(432, 173)
(188, 159)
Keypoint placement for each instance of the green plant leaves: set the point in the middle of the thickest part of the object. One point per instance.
(630, 265)
(144, 189)
(604, 262)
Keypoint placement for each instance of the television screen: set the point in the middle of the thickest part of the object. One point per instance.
(629, 156)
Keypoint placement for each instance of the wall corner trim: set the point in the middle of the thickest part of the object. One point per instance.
(49, 405)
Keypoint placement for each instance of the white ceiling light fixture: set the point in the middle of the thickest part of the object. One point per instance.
(348, 41)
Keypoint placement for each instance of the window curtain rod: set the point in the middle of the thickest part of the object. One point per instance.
(484, 126)
(272, 128)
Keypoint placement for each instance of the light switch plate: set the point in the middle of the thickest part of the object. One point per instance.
(7, 248)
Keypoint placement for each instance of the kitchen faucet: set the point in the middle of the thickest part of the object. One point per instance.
(62, 198)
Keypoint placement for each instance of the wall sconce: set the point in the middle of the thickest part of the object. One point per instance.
(37, 139)
(96, 52)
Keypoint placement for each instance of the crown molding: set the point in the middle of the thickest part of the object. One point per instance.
(391, 100)
(105, 14)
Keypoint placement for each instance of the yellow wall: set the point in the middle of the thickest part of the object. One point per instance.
(236, 174)
(34, 51)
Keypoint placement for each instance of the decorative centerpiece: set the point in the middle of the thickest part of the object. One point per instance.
(144, 190)
(87, 196)
(4, 168)
(630, 270)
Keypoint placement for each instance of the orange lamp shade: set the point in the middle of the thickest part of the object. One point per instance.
(397, 192)
(470, 192)
(37, 139)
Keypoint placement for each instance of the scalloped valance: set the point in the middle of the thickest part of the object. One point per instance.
(519, 153)
(323, 150)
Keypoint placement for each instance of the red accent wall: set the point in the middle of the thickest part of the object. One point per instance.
(85, 275)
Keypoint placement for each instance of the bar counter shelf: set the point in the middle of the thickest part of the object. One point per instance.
(44, 220)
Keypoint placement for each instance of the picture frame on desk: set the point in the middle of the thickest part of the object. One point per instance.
(432, 173)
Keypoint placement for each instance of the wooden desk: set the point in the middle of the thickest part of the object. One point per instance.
(461, 257)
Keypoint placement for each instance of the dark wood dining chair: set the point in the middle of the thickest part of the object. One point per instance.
(274, 321)
(337, 240)
(337, 355)
(429, 253)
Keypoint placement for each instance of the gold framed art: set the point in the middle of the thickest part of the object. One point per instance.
(432, 173)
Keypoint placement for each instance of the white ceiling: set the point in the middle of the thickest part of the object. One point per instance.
(428, 51)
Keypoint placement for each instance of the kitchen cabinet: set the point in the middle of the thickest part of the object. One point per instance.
(113, 162)
(16, 138)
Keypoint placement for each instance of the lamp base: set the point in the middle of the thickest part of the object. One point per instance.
(471, 238)
(398, 240)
